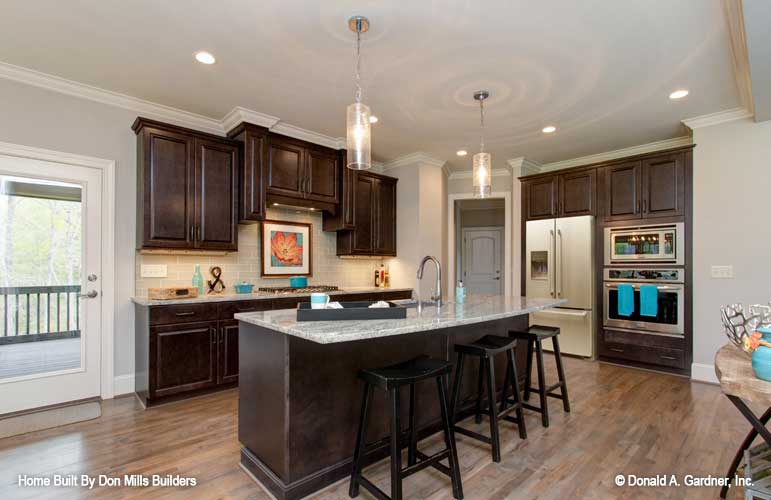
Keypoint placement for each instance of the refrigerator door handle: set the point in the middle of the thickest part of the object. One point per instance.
(559, 312)
(553, 272)
(558, 267)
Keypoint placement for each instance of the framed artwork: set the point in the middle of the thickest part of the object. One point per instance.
(286, 249)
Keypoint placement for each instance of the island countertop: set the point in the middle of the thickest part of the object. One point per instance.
(476, 309)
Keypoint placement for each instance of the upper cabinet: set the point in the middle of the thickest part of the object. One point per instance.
(251, 171)
(560, 195)
(302, 174)
(186, 188)
(371, 228)
(651, 187)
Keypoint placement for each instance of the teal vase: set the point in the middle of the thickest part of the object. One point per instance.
(761, 357)
(198, 279)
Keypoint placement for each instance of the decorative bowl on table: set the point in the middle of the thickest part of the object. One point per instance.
(739, 324)
(243, 287)
(761, 354)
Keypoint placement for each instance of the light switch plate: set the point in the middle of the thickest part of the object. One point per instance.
(722, 272)
(153, 271)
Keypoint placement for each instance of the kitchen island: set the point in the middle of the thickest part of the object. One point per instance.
(300, 397)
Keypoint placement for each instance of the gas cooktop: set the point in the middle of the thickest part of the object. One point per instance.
(285, 290)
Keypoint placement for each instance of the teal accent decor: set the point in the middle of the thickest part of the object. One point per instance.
(198, 279)
(761, 357)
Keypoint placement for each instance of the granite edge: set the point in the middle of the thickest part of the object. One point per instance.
(144, 301)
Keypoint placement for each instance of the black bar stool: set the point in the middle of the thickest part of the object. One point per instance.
(534, 336)
(392, 378)
(485, 349)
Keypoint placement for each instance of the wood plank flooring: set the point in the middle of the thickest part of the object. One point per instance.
(624, 421)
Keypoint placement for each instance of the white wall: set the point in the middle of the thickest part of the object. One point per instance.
(731, 188)
(34, 117)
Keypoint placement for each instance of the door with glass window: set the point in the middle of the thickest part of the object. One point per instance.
(50, 288)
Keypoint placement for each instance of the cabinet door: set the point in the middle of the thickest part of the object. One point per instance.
(577, 193)
(622, 191)
(364, 201)
(322, 176)
(541, 198)
(251, 169)
(663, 185)
(166, 187)
(227, 366)
(385, 217)
(285, 175)
(216, 167)
(183, 358)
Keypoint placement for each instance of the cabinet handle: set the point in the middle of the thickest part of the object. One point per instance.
(189, 313)
(615, 349)
(645, 206)
(198, 233)
(213, 334)
(192, 233)
(637, 208)
(671, 358)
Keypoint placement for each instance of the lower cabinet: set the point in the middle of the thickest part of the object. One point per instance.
(227, 352)
(186, 357)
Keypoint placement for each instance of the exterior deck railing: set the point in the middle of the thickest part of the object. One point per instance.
(32, 313)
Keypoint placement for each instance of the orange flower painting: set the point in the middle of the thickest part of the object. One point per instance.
(286, 249)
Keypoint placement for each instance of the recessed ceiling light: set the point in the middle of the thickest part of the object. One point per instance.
(275, 204)
(461, 152)
(549, 129)
(312, 209)
(373, 119)
(204, 57)
(678, 94)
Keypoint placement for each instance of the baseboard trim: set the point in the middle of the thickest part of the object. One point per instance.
(701, 372)
(49, 417)
(124, 384)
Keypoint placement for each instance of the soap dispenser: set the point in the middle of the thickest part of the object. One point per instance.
(460, 293)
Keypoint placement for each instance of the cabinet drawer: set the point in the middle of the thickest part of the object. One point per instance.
(674, 358)
(289, 302)
(357, 297)
(397, 295)
(228, 309)
(182, 313)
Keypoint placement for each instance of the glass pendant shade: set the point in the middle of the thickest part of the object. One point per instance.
(359, 138)
(482, 175)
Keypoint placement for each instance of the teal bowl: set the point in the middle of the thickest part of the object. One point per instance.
(298, 281)
(761, 357)
(243, 287)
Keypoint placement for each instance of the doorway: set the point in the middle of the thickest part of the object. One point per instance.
(51, 232)
(480, 242)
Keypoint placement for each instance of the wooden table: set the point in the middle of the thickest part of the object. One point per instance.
(738, 382)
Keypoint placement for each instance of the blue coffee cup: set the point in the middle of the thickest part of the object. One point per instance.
(319, 300)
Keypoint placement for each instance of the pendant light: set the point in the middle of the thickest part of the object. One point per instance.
(482, 169)
(358, 137)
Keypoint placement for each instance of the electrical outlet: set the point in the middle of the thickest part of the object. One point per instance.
(153, 270)
(722, 272)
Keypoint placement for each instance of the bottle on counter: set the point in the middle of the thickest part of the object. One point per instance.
(387, 279)
(377, 278)
(460, 293)
(198, 279)
(381, 272)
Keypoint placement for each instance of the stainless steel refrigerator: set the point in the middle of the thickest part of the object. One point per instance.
(559, 263)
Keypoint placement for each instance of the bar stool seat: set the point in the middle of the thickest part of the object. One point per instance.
(392, 378)
(485, 349)
(534, 337)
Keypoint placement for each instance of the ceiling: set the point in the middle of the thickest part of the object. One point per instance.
(600, 70)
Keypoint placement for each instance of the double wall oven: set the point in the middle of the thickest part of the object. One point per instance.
(646, 255)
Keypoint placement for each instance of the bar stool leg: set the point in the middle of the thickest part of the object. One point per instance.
(561, 375)
(353, 489)
(456, 389)
(541, 384)
(529, 369)
(511, 367)
(480, 389)
(505, 391)
(411, 451)
(396, 452)
(492, 411)
(449, 438)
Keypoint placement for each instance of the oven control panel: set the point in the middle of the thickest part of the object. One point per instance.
(644, 275)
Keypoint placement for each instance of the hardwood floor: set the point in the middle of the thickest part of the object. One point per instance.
(623, 422)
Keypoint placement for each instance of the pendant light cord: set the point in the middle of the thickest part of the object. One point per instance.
(358, 66)
(482, 123)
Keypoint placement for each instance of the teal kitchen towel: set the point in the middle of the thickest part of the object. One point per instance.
(649, 300)
(625, 300)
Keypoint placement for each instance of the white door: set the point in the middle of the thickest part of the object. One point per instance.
(539, 258)
(50, 283)
(482, 261)
(574, 263)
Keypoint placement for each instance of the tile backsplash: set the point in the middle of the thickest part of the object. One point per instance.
(244, 265)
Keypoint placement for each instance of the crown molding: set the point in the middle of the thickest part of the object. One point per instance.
(412, 158)
(162, 112)
(467, 174)
(618, 153)
(729, 115)
(238, 115)
(740, 59)
(522, 166)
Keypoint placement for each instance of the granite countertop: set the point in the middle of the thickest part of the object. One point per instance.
(477, 309)
(144, 301)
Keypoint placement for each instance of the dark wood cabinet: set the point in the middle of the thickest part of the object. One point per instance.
(540, 197)
(251, 171)
(302, 174)
(663, 185)
(227, 352)
(577, 193)
(623, 191)
(188, 353)
(186, 188)
(343, 219)
(374, 217)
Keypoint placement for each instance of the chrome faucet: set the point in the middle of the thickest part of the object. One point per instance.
(438, 291)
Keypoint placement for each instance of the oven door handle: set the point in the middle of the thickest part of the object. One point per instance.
(614, 286)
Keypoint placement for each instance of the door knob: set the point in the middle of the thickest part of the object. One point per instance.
(91, 294)
(91, 277)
